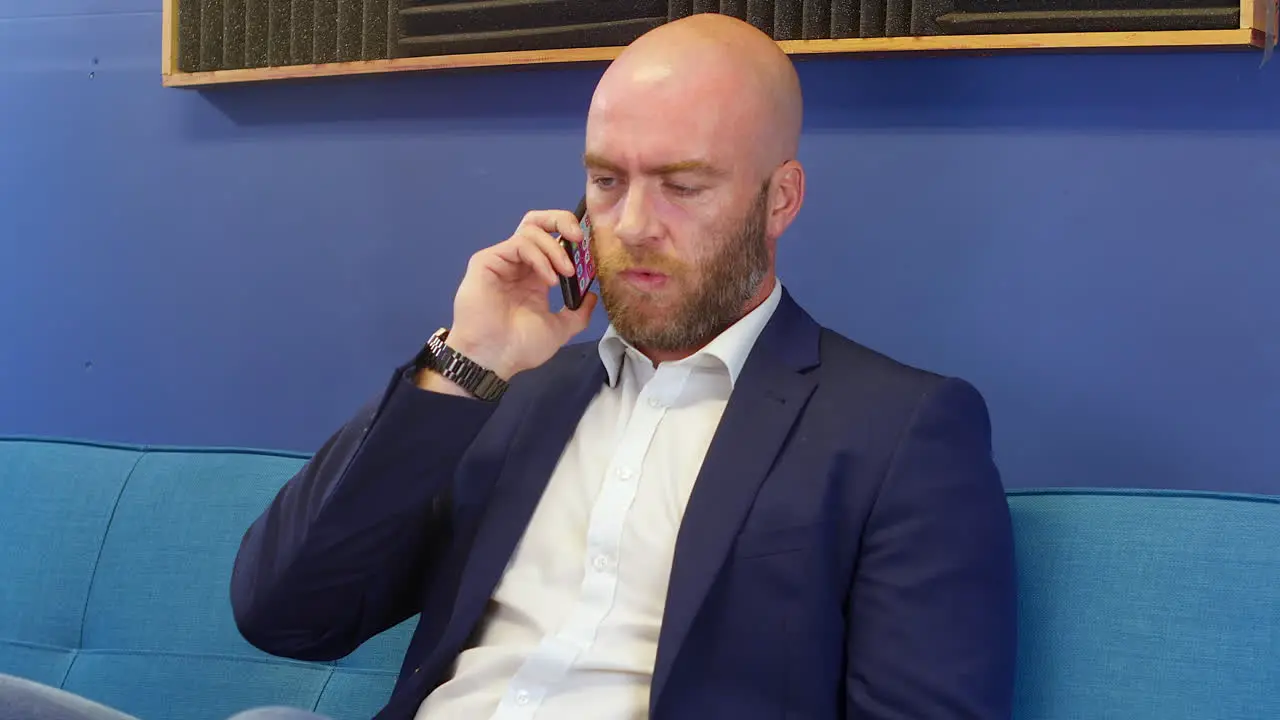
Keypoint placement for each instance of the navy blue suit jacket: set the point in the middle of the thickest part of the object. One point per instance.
(846, 551)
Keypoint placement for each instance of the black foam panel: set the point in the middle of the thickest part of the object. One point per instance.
(871, 18)
(925, 14)
(1137, 19)
(324, 35)
(373, 38)
(787, 19)
(897, 18)
(350, 27)
(233, 17)
(436, 27)
(619, 32)
(302, 27)
(256, 23)
(448, 18)
(760, 14)
(225, 34)
(816, 20)
(734, 8)
(844, 18)
(189, 36)
(279, 34)
(210, 34)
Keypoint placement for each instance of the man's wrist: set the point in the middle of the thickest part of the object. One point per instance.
(480, 354)
(448, 367)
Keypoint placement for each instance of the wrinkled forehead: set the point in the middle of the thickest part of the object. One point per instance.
(653, 115)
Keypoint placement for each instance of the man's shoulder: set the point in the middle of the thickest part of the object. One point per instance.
(845, 361)
(854, 375)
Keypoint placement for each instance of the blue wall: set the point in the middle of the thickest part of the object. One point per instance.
(242, 266)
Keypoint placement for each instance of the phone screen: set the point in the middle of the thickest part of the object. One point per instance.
(575, 288)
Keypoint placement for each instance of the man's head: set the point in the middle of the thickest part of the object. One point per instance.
(691, 178)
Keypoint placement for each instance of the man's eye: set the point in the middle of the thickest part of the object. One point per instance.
(682, 190)
(603, 182)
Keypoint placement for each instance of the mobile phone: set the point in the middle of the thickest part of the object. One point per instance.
(575, 288)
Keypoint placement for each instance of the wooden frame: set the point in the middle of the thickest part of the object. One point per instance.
(1250, 35)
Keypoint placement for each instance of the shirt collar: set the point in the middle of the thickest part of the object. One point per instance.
(730, 347)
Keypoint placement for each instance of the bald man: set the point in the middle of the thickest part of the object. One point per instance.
(719, 509)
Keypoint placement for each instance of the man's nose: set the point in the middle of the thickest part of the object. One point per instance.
(636, 220)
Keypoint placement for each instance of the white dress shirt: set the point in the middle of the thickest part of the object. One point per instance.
(572, 629)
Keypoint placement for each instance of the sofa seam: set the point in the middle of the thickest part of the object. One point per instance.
(75, 655)
(229, 657)
(97, 561)
(158, 448)
(315, 706)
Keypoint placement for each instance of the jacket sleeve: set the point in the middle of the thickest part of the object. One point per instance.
(933, 606)
(344, 548)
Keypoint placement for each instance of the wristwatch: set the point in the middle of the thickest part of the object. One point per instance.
(458, 368)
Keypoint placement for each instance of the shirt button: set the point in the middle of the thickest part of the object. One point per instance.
(600, 563)
(624, 473)
(655, 402)
(522, 698)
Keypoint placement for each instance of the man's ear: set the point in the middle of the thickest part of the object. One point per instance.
(786, 196)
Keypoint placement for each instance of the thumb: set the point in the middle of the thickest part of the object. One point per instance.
(573, 322)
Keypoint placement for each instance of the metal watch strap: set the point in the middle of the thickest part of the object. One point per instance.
(460, 369)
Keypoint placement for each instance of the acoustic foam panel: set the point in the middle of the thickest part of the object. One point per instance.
(189, 36)
(233, 18)
(734, 8)
(816, 20)
(302, 27)
(324, 36)
(279, 35)
(256, 26)
(844, 18)
(760, 14)
(871, 20)
(225, 34)
(897, 18)
(210, 34)
(350, 26)
(787, 19)
(433, 28)
(373, 38)
(1111, 20)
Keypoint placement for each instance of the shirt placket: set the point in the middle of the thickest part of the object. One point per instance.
(550, 662)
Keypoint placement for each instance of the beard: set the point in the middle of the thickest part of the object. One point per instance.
(700, 300)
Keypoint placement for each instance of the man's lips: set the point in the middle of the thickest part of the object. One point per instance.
(644, 278)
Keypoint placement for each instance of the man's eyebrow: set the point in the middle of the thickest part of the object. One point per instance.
(695, 166)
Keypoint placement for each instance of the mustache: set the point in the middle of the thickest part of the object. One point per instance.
(623, 258)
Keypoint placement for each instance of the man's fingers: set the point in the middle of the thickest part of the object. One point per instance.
(550, 246)
(514, 258)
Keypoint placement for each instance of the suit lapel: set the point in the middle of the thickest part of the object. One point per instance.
(766, 401)
(535, 449)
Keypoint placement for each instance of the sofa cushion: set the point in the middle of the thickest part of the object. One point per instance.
(57, 504)
(124, 598)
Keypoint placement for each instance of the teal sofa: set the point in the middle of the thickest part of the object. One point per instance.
(113, 585)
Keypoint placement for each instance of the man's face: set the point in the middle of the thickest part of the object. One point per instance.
(679, 222)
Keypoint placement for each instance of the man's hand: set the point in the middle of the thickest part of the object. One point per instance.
(501, 315)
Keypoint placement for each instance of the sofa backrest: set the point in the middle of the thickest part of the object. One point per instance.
(1147, 605)
(113, 584)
